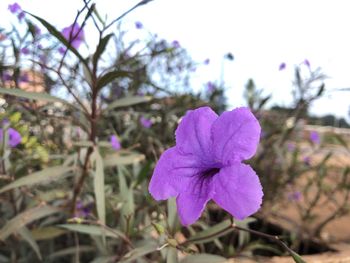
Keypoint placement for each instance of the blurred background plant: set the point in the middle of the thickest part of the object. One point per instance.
(82, 128)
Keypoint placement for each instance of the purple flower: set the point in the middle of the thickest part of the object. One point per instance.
(15, 137)
(282, 66)
(6, 77)
(14, 8)
(115, 142)
(21, 15)
(62, 50)
(307, 160)
(176, 44)
(206, 163)
(294, 196)
(307, 62)
(138, 25)
(210, 87)
(37, 30)
(25, 51)
(146, 123)
(315, 137)
(82, 210)
(24, 78)
(207, 61)
(73, 34)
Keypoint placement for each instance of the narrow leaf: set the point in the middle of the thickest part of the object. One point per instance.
(100, 49)
(204, 258)
(25, 218)
(94, 230)
(99, 187)
(138, 252)
(49, 232)
(110, 76)
(72, 251)
(128, 101)
(42, 177)
(212, 233)
(117, 159)
(27, 236)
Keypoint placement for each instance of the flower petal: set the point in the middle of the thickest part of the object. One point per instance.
(191, 203)
(172, 174)
(238, 190)
(235, 135)
(193, 134)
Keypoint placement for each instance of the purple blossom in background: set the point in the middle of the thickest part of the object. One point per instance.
(138, 25)
(207, 61)
(146, 123)
(62, 50)
(6, 77)
(307, 62)
(24, 78)
(294, 196)
(25, 51)
(21, 15)
(14, 136)
(14, 8)
(315, 137)
(206, 163)
(115, 142)
(282, 66)
(82, 210)
(73, 34)
(37, 30)
(176, 44)
(307, 160)
(210, 87)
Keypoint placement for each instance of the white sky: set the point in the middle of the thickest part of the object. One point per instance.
(260, 34)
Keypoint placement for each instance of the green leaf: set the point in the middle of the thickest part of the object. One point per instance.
(83, 144)
(171, 255)
(27, 236)
(110, 76)
(100, 49)
(53, 31)
(34, 96)
(117, 159)
(172, 214)
(204, 258)
(42, 177)
(138, 252)
(99, 186)
(126, 102)
(211, 233)
(49, 232)
(25, 218)
(94, 230)
(72, 250)
(296, 257)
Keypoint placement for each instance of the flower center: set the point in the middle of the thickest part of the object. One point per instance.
(210, 172)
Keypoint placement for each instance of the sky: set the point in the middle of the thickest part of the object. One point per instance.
(261, 34)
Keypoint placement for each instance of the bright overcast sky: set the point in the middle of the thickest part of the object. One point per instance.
(259, 33)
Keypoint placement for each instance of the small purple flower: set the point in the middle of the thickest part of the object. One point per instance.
(24, 78)
(83, 211)
(315, 137)
(176, 44)
(210, 87)
(62, 50)
(25, 51)
(115, 142)
(307, 62)
(73, 34)
(138, 25)
(6, 77)
(21, 15)
(282, 66)
(207, 61)
(37, 30)
(307, 160)
(15, 137)
(14, 8)
(294, 196)
(146, 123)
(206, 163)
